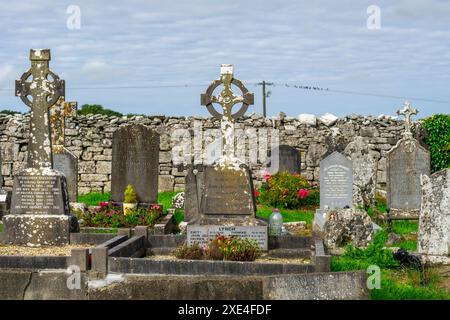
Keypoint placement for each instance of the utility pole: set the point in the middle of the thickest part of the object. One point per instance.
(264, 97)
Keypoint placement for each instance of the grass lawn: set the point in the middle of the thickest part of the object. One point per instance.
(1, 228)
(288, 215)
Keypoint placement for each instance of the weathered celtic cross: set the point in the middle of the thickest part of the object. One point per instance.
(407, 112)
(227, 99)
(40, 93)
(58, 114)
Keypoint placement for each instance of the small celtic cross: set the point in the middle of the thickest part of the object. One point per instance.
(40, 93)
(227, 99)
(407, 112)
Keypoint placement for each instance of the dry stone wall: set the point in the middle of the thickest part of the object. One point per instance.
(90, 139)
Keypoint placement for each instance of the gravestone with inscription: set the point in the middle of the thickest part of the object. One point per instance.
(285, 158)
(39, 206)
(64, 161)
(135, 161)
(220, 197)
(336, 186)
(405, 163)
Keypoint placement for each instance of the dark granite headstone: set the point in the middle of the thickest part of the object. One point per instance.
(227, 191)
(404, 165)
(67, 163)
(285, 158)
(336, 182)
(135, 161)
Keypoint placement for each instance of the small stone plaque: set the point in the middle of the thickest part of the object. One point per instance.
(202, 234)
(285, 158)
(38, 193)
(404, 165)
(67, 163)
(135, 161)
(227, 191)
(336, 182)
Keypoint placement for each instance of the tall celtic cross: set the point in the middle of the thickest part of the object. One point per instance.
(227, 100)
(407, 112)
(58, 114)
(39, 88)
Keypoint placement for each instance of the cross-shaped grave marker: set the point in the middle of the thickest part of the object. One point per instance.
(39, 88)
(407, 112)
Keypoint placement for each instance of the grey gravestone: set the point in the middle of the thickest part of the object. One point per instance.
(67, 163)
(434, 221)
(135, 161)
(336, 182)
(227, 191)
(5, 196)
(285, 158)
(192, 192)
(39, 206)
(404, 165)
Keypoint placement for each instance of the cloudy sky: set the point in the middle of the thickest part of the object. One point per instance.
(157, 56)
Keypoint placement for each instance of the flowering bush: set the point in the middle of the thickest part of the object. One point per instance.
(110, 216)
(285, 190)
(221, 248)
(178, 200)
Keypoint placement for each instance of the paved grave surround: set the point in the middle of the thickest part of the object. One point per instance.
(135, 160)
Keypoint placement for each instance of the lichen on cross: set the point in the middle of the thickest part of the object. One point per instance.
(407, 112)
(40, 93)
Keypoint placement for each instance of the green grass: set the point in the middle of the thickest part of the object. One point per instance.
(165, 199)
(93, 198)
(410, 245)
(178, 217)
(405, 226)
(288, 215)
(1, 228)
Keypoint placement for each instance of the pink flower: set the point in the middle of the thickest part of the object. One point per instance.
(266, 175)
(103, 204)
(155, 207)
(302, 193)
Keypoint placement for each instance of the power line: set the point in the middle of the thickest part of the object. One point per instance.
(286, 85)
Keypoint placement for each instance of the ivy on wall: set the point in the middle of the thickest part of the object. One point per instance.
(438, 139)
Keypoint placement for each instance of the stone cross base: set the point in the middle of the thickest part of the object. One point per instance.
(38, 230)
(404, 214)
(435, 259)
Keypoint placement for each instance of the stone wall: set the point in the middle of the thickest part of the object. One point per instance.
(90, 138)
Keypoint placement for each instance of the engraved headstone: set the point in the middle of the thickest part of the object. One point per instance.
(135, 161)
(336, 182)
(39, 206)
(434, 221)
(405, 163)
(223, 192)
(67, 163)
(285, 158)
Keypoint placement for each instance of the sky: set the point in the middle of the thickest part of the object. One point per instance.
(157, 56)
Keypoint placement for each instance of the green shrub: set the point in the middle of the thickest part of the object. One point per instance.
(129, 194)
(438, 139)
(97, 109)
(240, 249)
(10, 112)
(194, 252)
(109, 216)
(285, 190)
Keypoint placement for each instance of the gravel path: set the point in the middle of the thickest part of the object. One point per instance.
(40, 251)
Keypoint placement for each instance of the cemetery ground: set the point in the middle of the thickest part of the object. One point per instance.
(397, 282)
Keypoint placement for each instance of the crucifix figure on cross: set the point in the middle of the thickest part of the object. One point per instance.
(39, 88)
(407, 112)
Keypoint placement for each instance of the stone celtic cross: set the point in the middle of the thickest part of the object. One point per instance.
(227, 99)
(407, 112)
(39, 88)
(58, 114)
